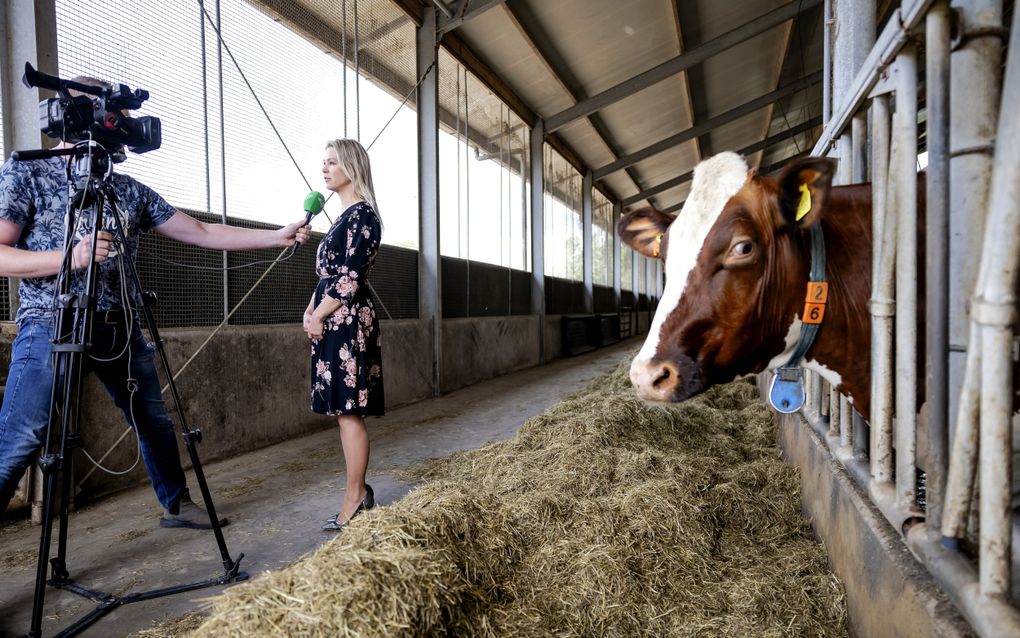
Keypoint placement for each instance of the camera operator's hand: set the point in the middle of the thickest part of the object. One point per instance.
(298, 232)
(83, 249)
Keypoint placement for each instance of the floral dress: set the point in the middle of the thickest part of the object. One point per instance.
(347, 360)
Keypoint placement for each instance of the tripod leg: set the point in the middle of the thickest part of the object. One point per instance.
(191, 437)
(64, 359)
(49, 493)
(71, 383)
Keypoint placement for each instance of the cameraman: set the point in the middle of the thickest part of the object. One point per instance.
(33, 205)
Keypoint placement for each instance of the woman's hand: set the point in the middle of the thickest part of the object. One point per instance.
(314, 327)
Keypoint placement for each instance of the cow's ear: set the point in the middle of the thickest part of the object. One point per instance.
(803, 189)
(643, 230)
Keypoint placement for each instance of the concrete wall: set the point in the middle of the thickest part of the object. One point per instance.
(249, 387)
(888, 592)
(479, 348)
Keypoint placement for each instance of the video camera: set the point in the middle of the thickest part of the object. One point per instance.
(79, 117)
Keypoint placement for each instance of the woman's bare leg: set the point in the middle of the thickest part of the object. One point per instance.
(354, 439)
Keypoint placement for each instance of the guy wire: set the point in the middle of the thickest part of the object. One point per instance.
(279, 257)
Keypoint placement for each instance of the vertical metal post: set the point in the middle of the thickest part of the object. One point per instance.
(617, 284)
(882, 305)
(224, 257)
(834, 413)
(429, 261)
(357, 76)
(858, 174)
(30, 35)
(906, 277)
(538, 231)
(827, 60)
(635, 288)
(994, 310)
(975, 81)
(937, 256)
(586, 242)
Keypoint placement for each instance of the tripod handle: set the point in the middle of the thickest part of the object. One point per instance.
(42, 153)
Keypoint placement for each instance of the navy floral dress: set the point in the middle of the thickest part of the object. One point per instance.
(347, 360)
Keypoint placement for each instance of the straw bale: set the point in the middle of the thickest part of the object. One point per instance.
(603, 516)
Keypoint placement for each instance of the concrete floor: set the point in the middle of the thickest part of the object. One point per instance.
(275, 498)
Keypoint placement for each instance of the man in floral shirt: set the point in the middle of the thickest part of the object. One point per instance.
(33, 205)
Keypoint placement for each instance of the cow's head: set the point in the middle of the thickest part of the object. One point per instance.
(736, 263)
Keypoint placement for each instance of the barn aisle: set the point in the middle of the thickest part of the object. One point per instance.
(275, 498)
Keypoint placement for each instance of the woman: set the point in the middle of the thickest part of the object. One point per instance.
(340, 320)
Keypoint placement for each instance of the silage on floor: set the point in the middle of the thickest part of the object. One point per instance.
(604, 516)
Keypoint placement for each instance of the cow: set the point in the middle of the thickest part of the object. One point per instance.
(737, 261)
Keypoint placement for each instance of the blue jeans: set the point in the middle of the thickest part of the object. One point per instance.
(26, 404)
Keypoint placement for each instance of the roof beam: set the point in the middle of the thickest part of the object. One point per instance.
(449, 24)
(708, 125)
(747, 150)
(689, 101)
(679, 63)
(545, 48)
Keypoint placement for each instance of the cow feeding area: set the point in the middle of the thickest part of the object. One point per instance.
(603, 516)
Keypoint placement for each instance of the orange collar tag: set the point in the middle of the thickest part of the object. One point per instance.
(814, 301)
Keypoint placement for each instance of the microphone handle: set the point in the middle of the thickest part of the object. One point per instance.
(308, 220)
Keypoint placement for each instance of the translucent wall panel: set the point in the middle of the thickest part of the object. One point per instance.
(602, 240)
(483, 167)
(563, 227)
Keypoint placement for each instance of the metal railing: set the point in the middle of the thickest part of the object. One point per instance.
(933, 506)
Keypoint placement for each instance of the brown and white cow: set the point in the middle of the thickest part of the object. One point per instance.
(737, 259)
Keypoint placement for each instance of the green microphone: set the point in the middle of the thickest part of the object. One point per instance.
(314, 202)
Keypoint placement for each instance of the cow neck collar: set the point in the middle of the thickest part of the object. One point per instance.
(808, 330)
(786, 393)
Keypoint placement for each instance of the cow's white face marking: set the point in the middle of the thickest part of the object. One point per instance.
(716, 180)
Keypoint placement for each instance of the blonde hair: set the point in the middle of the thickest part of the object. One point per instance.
(353, 159)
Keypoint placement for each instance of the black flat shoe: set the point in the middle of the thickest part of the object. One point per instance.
(367, 503)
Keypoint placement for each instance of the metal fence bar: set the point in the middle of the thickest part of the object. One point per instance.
(937, 256)
(882, 305)
(994, 309)
(905, 172)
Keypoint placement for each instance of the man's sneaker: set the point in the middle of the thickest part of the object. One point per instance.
(188, 515)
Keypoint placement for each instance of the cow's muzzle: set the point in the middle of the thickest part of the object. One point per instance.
(662, 380)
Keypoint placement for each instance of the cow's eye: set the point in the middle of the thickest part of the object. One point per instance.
(741, 250)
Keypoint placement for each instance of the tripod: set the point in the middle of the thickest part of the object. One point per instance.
(75, 313)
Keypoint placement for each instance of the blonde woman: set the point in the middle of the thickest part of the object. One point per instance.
(340, 320)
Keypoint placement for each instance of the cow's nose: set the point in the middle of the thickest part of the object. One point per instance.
(655, 380)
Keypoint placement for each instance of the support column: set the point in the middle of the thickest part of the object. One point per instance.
(429, 263)
(617, 210)
(30, 35)
(586, 243)
(538, 231)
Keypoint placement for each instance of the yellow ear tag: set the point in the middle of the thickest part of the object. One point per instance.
(804, 207)
(658, 245)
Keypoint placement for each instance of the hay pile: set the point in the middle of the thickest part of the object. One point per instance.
(604, 516)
